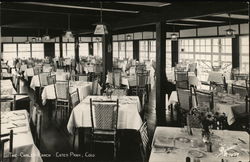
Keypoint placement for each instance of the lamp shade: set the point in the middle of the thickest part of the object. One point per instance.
(174, 37)
(230, 32)
(100, 29)
(46, 37)
(68, 34)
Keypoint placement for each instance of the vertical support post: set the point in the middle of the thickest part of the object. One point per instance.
(91, 48)
(160, 72)
(236, 52)
(61, 46)
(175, 52)
(77, 49)
(136, 50)
(107, 54)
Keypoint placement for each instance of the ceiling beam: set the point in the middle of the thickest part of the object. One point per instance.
(177, 12)
(78, 7)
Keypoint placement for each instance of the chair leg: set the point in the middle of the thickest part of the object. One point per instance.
(74, 138)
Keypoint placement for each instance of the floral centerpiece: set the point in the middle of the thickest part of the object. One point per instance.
(208, 120)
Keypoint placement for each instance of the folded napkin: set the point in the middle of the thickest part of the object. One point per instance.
(163, 141)
(18, 117)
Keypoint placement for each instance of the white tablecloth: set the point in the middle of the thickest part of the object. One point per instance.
(231, 106)
(215, 77)
(84, 89)
(59, 76)
(163, 137)
(7, 87)
(23, 143)
(128, 116)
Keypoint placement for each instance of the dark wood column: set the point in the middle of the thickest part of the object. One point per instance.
(61, 46)
(236, 52)
(77, 49)
(49, 49)
(91, 48)
(160, 72)
(175, 52)
(136, 50)
(107, 53)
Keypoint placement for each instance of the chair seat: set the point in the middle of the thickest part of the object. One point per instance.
(104, 132)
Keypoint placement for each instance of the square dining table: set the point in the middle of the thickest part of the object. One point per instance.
(24, 148)
(128, 115)
(174, 144)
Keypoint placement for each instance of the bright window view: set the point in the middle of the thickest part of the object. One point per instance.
(208, 53)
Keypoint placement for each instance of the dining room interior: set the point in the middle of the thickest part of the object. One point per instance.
(163, 81)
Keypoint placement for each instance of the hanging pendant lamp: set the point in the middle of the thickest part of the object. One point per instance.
(101, 29)
(230, 32)
(68, 33)
(46, 36)
(174, 36)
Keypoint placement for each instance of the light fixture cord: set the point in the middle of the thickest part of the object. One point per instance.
(229, 16)
(68, 21)
(101, 11)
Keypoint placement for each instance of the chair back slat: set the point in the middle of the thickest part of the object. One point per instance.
(104, 115)
(43, 79)
(83, 78)
(205, 100)
(95, 87)
(117, 78)
(144, 141)
(241, 90)
(62, 90)
(51, 79)
(142, 79)
(74, 98)
(4, 138)
(184, 98)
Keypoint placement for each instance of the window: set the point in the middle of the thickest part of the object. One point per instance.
(83, 49)
(207, 53)
(129, 49)
(9, 51)
(168, 56)
(24, 51)
(115, 50)
(38, 50)
(244, 54)
(123, 50)
(98, 49)
(68, 50)
(147, 50)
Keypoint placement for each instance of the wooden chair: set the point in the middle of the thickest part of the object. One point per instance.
(51, 79)
(104, 118)
(7, 137)
(36, 125)
(82, 77)
(95, 87)
(117, 79)
(62, 98)
(43, 79)
(241, 76)
(37, 70)
(184, 98)
(204, 100)
(239, 89)
(181, 78)
(6, 103)
(110, 78)
(74, 101)
(144, 145)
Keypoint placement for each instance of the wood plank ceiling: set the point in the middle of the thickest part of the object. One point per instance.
(33, 18)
